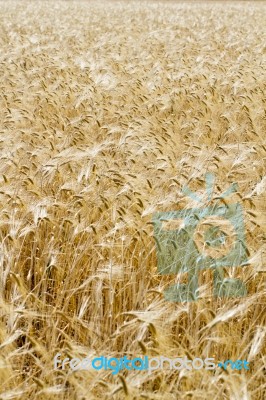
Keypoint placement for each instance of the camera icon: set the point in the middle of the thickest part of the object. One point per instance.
(194, 239)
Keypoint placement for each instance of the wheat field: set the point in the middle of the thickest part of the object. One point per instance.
(107, 109)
